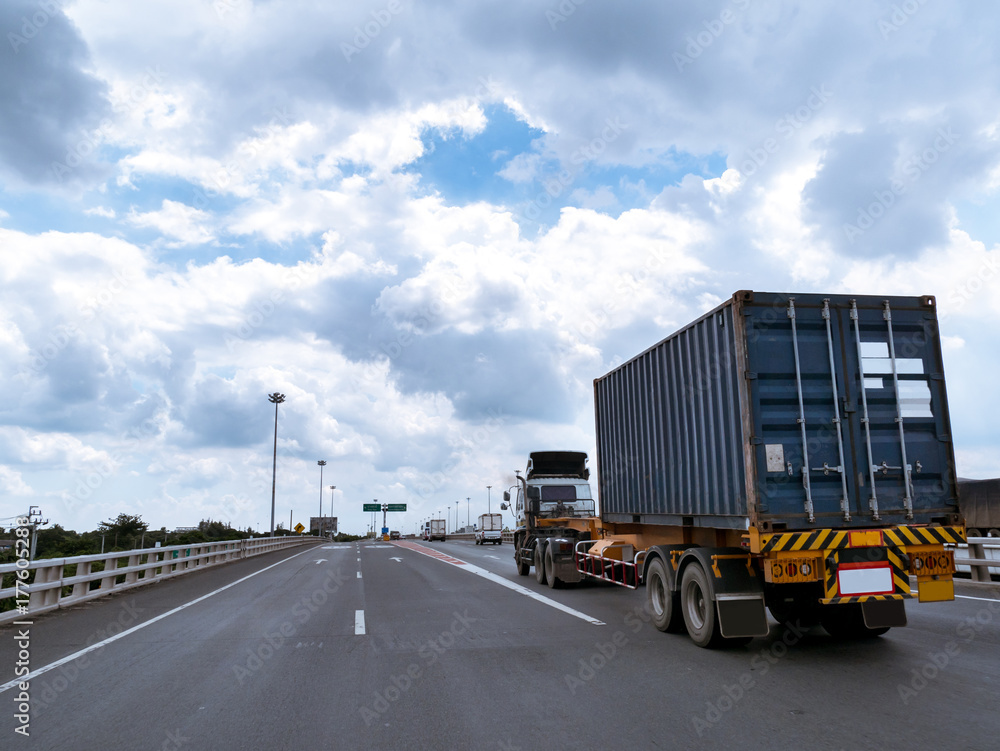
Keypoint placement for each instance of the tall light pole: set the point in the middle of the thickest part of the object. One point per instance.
(319, 522)
(468, 519)
(489, 508)
(456, 516)
(275, 399)
(332, 488)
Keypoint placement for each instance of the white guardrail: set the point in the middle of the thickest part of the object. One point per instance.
(118, 571)
(981, 554)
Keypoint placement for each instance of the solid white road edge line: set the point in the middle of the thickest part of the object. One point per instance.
(69, 658)
(466, 566)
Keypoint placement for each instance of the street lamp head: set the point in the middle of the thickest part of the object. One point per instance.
(276, 398)
(321, 463)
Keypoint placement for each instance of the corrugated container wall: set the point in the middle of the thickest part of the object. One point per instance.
(782, 411)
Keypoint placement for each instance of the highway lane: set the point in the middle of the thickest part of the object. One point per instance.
(449, 659)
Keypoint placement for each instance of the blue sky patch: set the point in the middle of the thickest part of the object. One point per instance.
(464, 170)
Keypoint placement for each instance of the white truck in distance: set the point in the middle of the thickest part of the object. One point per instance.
(489, 529)
(437, 530)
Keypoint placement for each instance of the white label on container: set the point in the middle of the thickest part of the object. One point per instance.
(775, 453)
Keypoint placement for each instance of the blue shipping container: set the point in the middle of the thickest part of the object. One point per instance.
(785, 411)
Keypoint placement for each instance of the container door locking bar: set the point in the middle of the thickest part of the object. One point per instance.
(887, 315)
(844, 503)
(802, 415)
(873, 499)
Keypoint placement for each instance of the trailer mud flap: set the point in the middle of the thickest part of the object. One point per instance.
(741, 615)
(884, 613)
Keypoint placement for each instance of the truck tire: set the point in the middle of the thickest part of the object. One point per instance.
(550, 570)
(698, 607)
(663, 604)
(523, 569)
(540, 561)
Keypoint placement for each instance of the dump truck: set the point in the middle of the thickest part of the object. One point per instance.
(789, 453)
(489, 529)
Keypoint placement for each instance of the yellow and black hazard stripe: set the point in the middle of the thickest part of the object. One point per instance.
(900, 580)
(835, 539)
(906, 535)
(820, 539)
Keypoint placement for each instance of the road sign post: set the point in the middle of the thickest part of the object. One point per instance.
(385, 508)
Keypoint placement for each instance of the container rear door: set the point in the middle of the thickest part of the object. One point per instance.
(850, 422)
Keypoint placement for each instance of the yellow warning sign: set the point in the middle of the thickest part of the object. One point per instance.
(299, 528)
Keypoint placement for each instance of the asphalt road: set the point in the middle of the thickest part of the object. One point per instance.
(378, 645)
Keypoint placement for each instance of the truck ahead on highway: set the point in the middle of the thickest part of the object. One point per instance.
(436, 529)
(489, 529)
(783, 452)
(980, 502)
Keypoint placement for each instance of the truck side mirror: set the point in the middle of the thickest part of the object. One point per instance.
(506, 496)
(503, 506)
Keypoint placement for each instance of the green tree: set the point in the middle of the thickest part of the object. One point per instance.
(126, 529)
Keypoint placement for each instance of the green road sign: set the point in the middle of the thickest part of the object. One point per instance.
(397, 507)
(373, 507)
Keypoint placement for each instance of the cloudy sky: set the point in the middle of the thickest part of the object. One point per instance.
(431, 224)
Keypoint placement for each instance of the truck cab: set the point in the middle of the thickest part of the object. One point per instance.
(553, 504)
(559, 482)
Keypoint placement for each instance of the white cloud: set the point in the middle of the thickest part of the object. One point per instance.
(186, 225)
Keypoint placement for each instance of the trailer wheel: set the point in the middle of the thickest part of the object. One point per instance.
(698, 607)
(540, 561)
(550, 570)
(664, 604)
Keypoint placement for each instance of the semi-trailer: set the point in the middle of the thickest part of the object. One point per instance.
(784, 452)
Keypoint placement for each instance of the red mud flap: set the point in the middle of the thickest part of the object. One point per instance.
(741, 615)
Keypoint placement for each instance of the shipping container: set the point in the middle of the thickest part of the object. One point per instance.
(783, 412)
